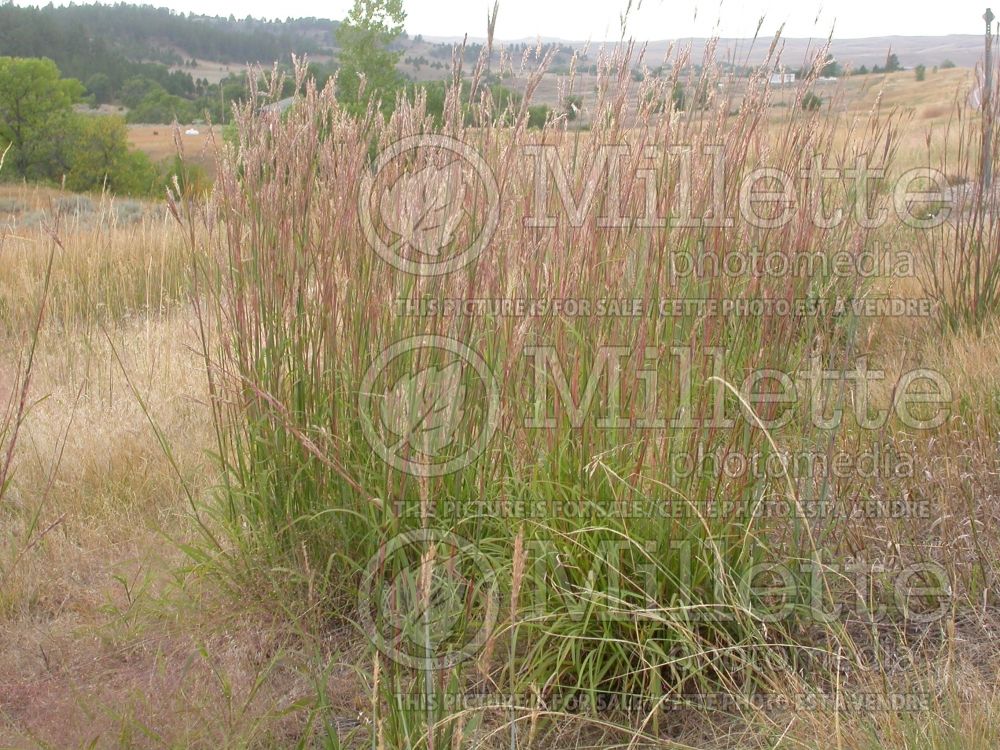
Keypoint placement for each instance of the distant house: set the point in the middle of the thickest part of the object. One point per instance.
(781, 78)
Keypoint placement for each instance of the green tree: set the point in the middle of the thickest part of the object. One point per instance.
(831, 68)
(36, 106)
(160, 107)
(136, 89)
(921, 71)
(812, 102)
(678, 96)
(538, 115)
(100, 158)
(100, 87)
(367, 60)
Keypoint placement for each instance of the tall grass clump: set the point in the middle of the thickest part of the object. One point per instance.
(20, 345)
(628, 562)
(961, 252)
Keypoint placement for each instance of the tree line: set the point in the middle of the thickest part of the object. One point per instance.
(46, 139)
(120, 49)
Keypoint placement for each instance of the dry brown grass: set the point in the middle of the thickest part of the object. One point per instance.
(158, 142)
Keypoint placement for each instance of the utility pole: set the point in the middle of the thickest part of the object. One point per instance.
(491, 27)
(988, 115)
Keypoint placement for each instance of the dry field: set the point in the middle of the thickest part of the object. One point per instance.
(160, 142)
(129, 616)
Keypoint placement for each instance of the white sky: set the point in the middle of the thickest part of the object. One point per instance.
(581, 20)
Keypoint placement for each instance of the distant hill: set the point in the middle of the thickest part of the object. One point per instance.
(142, 33)
(160, 65)
(152, 60)
(965, 50)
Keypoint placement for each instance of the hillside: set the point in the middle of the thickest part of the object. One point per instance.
(965, 50)
(142, 33)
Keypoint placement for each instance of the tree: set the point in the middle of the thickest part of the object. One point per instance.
(100, 87)
(35, 106)
(538, 115)
(100, 158)
(812, 102)
(947, 65)
(892, 63)
(831, 68)
(678, 96)
(136, 89)
(921, 71)
(367, 61)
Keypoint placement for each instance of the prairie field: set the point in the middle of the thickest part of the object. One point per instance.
(446, 432)
(159, 142)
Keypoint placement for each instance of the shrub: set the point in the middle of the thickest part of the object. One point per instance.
(100, 159)
(538, 116)
(10, 206)
(32, 219)
(191, 180)
(72, 205)
(812, 102)
(127, 211)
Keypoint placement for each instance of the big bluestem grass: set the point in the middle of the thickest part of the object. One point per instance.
(295, 305)
(961, 250)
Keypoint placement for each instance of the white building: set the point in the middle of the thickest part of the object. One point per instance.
(781, 78)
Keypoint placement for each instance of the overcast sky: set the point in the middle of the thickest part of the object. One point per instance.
(581, 20)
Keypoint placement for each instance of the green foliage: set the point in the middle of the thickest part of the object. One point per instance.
(124, 53)
(190, 180)
(678, 96)
(99, 86)
(505, 104)
(158, 106)
(101, 159)
(365, 39)
(812, 102)
(136, 89)
(921, 72)
(831, 68)
(891, 65)
(538, 115)
(947, 65)
(107, 38)
(35, 113)
(50, 142)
